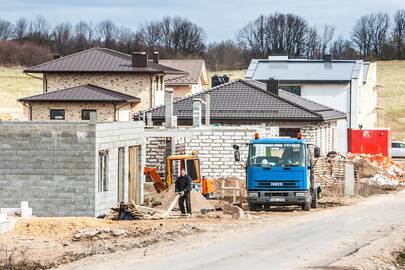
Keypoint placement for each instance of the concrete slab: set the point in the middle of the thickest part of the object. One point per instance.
(7, 225)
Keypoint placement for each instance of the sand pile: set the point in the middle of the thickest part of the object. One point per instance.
(198, 201)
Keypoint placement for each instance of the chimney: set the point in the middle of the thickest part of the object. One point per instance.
(207, 109)
(149, 121)
(139, 59)
(156, 57)
(56, 56)
(169, 108)
(272, 86)
(327, 57)
(197, 112)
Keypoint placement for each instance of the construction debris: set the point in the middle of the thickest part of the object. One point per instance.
(369, 165)
(370, 169)
(230, 209)
(102, 233)
(165, 199)
(126, 211)
(171, 206)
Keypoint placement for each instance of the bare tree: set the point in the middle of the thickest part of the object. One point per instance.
(343, 49)
(398, 33)
(380, 33)
(370, 33)
(313, 43)
(151, 34)
(253, 37)
(62, 38)
(20, 28)
(39, 30)
(175, 36)
(82, 36)
(277, 33)
(106, 31)
(5, 29)
(326, 40)
(225, 55)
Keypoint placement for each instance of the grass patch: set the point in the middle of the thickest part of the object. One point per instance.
(14, 84)
(391, 75)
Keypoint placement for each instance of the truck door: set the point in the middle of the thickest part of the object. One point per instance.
(308, 166)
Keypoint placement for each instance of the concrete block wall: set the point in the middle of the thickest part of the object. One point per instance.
(112, 136)
(50, 165)
(155, 153)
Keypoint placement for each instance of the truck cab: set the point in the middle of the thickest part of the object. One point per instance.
(279, 171)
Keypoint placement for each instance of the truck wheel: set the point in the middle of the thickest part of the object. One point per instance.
(314, 202)
(254, 207)
(306, 206)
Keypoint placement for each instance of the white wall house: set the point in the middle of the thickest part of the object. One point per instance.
(348, 86)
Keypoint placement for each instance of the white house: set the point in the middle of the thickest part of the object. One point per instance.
(348, 86)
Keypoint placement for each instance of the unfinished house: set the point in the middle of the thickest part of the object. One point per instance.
(71, 168)
(252, 103)
(92, 81)
(183, 85)
(348, 86)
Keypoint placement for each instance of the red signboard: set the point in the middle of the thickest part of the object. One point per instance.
(370, 141)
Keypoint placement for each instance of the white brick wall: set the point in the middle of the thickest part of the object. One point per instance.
(213, 146)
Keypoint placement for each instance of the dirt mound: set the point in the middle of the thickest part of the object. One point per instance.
(198, 201)
(60, 227)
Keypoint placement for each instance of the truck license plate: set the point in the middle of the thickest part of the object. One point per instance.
(277, 199)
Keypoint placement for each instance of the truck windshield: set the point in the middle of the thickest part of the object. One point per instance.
(280, 154)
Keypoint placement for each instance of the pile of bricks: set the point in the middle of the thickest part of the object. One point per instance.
(330, 171)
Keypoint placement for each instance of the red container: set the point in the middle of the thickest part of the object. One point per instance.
(369, 141)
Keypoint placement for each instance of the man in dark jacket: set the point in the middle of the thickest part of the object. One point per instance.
(183, 187)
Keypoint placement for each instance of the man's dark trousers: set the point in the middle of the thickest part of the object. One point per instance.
(186, 198)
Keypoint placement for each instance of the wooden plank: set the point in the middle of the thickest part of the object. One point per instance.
(132, 173)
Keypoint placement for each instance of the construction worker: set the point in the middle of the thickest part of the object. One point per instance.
(183, 188)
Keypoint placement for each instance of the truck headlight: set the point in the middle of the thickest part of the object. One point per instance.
(300, 194)
(253, 195)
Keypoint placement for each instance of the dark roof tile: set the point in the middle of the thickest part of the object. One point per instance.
(246, 99)
(83, 93)
(99, 60)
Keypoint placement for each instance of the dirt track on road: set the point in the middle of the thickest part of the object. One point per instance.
(319, 239)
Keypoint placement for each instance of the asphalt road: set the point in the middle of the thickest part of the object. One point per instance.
(312, 241)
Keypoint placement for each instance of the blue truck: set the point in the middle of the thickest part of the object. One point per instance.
(280, 171)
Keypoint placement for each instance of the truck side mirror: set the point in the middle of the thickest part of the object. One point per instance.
(317, 152)
(236, 152)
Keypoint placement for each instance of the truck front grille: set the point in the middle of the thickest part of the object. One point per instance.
(276, 184)
(276, 194)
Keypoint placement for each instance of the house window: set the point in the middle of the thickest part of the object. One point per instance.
(292, 89)
(57, 114)
(86, 114)
(103, 170)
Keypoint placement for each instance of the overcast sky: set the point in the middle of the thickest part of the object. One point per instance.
(220, 19)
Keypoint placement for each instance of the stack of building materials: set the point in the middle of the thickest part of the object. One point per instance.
(370, 169)
(331, 170)
(126, 211)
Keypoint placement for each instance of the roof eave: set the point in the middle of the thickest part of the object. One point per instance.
(75, 101)
(92, 71)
